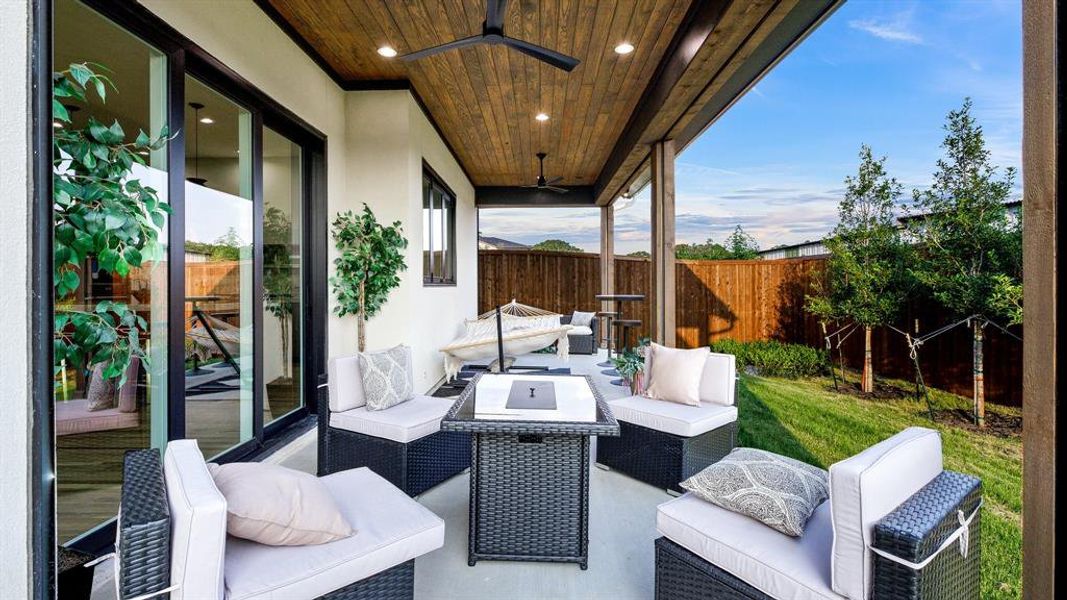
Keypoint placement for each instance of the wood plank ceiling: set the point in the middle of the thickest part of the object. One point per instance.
(485, 98)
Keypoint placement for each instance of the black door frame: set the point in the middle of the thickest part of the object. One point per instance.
(184, 57)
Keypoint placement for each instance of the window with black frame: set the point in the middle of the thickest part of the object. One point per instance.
(438, 232)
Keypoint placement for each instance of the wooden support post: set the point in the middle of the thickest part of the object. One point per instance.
(1041, 247)
(663, 290)
(607, 264)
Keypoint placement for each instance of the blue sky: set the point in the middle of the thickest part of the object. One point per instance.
(883, 73)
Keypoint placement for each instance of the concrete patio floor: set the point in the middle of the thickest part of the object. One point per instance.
(622, 515)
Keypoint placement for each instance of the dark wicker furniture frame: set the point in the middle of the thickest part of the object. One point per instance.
(583, 344)
(413, 467)
(529, 485)
(144, 540)
(912, 532)
(664, 459)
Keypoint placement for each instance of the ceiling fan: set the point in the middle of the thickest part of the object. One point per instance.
(493, 33)
(542, 184)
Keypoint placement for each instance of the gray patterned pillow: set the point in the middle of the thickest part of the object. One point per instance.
(386, 377)
(776, 490)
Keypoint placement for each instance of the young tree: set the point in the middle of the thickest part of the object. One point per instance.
(371, 257)
(279, 276)
(556, 246)
(867, 268)
(742, 246)
(970, 247)
(709, 250)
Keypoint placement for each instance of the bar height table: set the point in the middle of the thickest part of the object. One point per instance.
(529, 480)
(619, 301)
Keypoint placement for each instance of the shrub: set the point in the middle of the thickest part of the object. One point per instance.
(775, 359)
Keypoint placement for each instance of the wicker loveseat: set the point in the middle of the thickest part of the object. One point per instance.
(896, 526)
(404, 444)
(172, 538)
(664, 443)
(582, 340)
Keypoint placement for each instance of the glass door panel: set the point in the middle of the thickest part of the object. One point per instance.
(219, 336)
(283, 199)
(96, 419)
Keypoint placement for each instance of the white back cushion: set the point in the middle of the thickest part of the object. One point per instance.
(867, 487)
(717, 382)
(198, 523)
(345, 383)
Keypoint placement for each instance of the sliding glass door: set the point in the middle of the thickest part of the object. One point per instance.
(219, 237)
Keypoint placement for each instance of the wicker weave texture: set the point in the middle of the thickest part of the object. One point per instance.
(413, 467)
(917, 528)
(682, 575)
(529, 497)
(397, 583)
(144, 526)
(583, 344)
(663, 459)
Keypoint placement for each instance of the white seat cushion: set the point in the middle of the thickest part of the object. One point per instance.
(580, 330)
(345, 383)
(867, 487)
(671, 417)
(405, 422)
(198, 523)
(774, 563)
(392, 529)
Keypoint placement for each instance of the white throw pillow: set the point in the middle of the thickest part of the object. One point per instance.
(345, 383)
(387, 379)
(675, 374)
(273, 505)
(582, 319)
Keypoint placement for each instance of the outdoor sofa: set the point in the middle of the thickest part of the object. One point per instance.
(582, 339)
(404, 443)
(664, 443)
(896, 526)
(172, 538)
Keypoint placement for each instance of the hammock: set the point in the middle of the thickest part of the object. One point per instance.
(204, 347)
(525, 329)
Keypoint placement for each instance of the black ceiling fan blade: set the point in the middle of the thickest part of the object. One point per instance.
(558, 190)
(556, 59)
(453, 45)
(555, 180)
(531, 187)
(494, 13)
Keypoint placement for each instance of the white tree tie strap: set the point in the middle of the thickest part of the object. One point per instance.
(962, 533)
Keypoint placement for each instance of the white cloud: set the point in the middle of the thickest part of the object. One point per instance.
(897, 30)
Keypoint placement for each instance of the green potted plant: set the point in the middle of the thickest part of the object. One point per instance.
(630, 363)
(371, 257)
(100, 213)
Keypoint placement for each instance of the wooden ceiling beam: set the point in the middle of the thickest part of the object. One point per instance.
(515, 197)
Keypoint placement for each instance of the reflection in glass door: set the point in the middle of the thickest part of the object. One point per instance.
(219, 227)
(283, 197)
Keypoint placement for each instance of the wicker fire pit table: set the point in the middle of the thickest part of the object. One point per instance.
(529, 497)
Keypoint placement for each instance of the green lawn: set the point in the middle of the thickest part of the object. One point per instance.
(808, 420)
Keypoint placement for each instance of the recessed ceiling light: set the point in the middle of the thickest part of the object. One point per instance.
(387, 51)
(624, 48)
(541, 117)
(207, 120)
(143, 152)
(57, 125)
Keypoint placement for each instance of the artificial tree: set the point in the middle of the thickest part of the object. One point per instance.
(970, 248)
(370, 259)
(278, 275)
(866, 274)
(99, 212)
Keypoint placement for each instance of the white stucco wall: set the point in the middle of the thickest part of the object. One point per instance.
(376, 143)
(388, 139)
(15, 202)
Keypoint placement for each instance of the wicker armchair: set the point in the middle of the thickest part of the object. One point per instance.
(663, 443)
(583, 343)
(413, 463)
(926, 546)
(181, 547)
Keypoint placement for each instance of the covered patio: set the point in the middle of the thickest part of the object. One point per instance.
(368, 117)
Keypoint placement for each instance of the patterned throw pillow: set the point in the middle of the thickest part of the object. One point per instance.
(776, 490)
(386, 377)
(101, 393)
(582, 319)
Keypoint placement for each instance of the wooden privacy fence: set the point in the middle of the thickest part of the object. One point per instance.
(750, 300)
